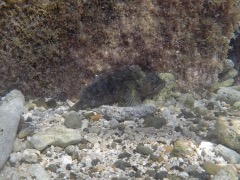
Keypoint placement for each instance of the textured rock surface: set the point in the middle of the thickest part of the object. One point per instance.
(73, 120)
(61, 43)
(57, 135)
(230, 155)
(228, 95)
(123, 113)
(39, 172)
(183, 147)
(229, 132)
(10, 112)
(226, 173)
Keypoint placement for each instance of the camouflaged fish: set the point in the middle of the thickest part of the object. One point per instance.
(127, 86)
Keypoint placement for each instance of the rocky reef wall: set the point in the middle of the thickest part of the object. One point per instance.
(54, 47)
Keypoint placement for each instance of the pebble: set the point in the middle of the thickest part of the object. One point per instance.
(73, 120)
(161, 175)
(52, 167)
(122, 164)
(30, 155)
(124, 155)
(144, 150)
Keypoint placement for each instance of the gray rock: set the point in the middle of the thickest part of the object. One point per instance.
(119, 178)
(153, 121)
(30, 155)
(9, 173)
(39, 172)
(95, 162)
(58, 136)
(226, 173)
(230, 155)
(113, 124)
(228, 131)
(122, 113)
(70, 149)
(161, 175)
(228, 95)
(124, 155)
(144, 150)
(122, 164)
(73, 120)
(53, 167)
(10, 112)
(15, 159)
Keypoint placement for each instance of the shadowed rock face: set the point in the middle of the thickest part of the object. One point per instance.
(127, 86)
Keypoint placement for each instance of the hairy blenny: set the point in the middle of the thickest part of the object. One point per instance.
(127, 86)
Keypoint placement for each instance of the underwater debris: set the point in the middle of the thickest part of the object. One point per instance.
(127, 86)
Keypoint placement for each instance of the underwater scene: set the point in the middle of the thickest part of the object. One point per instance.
(119, 90)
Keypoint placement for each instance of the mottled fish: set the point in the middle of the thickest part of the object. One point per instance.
(127, 86)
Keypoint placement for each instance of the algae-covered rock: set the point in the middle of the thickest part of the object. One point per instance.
(226, 83)
(46, 45)
(183, 147)
(228, 95)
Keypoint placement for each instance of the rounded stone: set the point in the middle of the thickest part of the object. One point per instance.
(144, 150)
(183, 147)
(73, 120)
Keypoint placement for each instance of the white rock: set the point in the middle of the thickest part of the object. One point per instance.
(66, 159)
(85, 124)
(229, 154)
